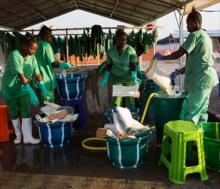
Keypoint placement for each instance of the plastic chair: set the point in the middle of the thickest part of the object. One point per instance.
(176, 139)
(79, 106)
(5, 132)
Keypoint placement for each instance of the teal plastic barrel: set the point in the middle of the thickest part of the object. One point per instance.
(212, 144)
(167, 108)
(147, 88)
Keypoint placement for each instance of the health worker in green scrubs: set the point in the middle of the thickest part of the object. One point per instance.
(16, 89)
(47, 62)
(200, 75)
(121, 65)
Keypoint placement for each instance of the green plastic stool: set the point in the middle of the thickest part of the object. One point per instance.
(175, 137)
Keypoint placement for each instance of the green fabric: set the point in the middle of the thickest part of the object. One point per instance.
(65, 65)
(195, 106)
(108, 41)
(77, 46)
(199, 71)
(104, 81)
(43, 89)
(121, 63)
(45, 57)
(11, 84)
(10, 42)
(19, 106)
(145, 43)
(32, 96)
(19, 40)
(71, 44)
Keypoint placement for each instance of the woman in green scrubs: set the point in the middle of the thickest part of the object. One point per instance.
(121, 64)
(47, 62)
(16, 90)
(200, 75)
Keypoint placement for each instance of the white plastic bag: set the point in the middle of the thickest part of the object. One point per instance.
(159, 77)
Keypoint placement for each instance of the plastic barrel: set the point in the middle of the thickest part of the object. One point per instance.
(127, 153)
(212, 144)
(148, 87)
(71, 86)
(166, 109)
(55, 134)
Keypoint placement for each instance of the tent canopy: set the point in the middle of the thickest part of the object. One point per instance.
(19, 14)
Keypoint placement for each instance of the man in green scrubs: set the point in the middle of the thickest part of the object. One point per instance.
(47, 62)
(200, 75)
(121, 63)
(20, 69)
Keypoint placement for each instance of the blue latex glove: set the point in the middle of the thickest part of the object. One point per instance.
(104, 81)
(43, 89)
(134, 77)
(174, 74)
(158, 56)
(33, 98)
(65, 65)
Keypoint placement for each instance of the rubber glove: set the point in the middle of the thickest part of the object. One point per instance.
(43, 89)
(65, 65)
(33, 98)
(174, 74)
(158, 56)
(104, 81)
(134, 77)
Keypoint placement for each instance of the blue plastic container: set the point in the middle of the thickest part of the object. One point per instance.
(55, 134)
(71, 86)
(127, 153)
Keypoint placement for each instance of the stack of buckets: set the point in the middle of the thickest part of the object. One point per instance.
(58, 134)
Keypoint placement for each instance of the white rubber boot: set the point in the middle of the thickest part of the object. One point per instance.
(17, 126)
(27, 132)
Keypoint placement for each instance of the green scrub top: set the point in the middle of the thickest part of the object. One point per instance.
(45, 57)
(199, 71)
(11, 83)
(121, 69)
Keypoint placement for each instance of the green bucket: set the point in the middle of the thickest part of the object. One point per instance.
(167, 108)
(127, 153)
(212, 144)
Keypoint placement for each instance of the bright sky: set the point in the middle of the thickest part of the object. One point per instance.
(211, 21)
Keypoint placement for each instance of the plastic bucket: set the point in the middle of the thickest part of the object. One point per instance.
(148, 88)
(71, 86)
(166, 109)
(55, 134)
(212, 144)
(127, 153)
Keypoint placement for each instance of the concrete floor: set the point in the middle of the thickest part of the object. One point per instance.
(76, 167)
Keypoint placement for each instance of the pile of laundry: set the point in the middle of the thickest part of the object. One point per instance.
(52, 112)
(123, 126)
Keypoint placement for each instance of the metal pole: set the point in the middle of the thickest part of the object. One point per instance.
(181, 59)
(67, 46)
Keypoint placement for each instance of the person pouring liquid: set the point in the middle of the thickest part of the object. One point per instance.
(121, 65)
(17, 92)
(200, 75)
(47, 62)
